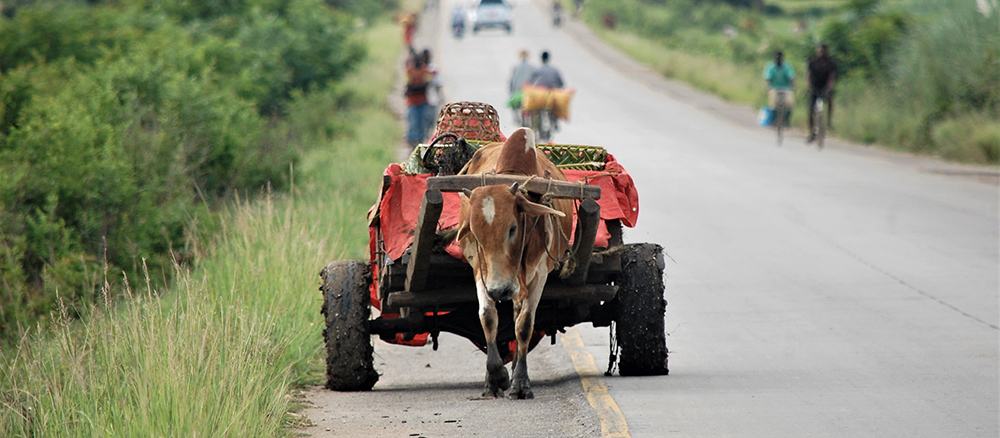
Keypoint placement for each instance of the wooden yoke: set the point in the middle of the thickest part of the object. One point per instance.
(537, 185)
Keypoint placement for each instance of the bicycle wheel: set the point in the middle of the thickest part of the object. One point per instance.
(779, 121)
(544, 130)
(820, 123)
(821, 130)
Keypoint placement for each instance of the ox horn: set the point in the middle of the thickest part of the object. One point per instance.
(467, 192)
(513, 188)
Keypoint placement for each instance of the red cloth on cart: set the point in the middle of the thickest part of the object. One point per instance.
(398, 209)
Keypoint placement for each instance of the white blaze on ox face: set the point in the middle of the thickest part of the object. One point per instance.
(489, 210)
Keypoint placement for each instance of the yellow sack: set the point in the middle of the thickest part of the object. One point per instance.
(538, 98)
(534, 98)
(559, 102)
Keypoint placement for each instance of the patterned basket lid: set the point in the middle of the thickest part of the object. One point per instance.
(470, 120)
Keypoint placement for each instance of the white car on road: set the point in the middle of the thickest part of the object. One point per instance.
(491, 13)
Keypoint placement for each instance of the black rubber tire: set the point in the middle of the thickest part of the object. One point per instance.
(639, 309)
(346, 308)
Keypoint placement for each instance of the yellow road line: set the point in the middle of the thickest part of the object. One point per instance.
(613, 423)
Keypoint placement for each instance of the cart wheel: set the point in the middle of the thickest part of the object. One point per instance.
(639, 308)
(348, 343)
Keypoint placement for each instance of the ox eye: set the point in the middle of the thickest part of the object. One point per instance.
(510, 233)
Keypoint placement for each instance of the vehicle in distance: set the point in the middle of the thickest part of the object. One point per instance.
(491, 14)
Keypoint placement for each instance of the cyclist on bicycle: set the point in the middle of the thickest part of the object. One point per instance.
(780, 79)
(822, 75)
(519, 75)
(547, 76)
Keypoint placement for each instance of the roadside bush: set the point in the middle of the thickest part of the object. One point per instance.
(971, 138)
(865, 40)
(51, 31)
(952, 64)
(120, 139)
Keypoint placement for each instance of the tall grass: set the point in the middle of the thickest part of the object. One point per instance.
(724, 78)
(218, 353)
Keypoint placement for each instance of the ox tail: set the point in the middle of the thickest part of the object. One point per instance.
(445, 237)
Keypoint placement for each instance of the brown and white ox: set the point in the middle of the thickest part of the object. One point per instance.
(512, 244)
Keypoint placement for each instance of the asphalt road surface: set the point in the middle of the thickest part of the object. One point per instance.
(837, 293)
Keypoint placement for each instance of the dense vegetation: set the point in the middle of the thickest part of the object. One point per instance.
(124, 125)
(916, 75)
(220, 350)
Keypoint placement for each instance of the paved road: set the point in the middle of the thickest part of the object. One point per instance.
(840, 293)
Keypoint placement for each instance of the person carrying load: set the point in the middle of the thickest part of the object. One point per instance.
(544, 97)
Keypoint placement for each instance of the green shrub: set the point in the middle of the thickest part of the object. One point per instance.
(51, 31)
(120, 138)
(864, 41)
(971, 138)
(952, 63)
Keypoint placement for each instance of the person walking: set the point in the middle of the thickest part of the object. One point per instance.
(434, 97)
(417, 79)
(822, 76)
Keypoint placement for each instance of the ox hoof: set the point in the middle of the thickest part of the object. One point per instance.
(521, 392)
(496, 383)
(491, 392)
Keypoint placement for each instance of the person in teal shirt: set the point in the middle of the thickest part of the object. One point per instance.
(780, 77)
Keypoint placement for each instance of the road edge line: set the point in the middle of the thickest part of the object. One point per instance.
(613, 424)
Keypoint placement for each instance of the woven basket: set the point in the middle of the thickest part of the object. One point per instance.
(469, 120)
(575, 157)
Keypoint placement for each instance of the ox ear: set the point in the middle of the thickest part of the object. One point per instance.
(534, 208)
(462, 228)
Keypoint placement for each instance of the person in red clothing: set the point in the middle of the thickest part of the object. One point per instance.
(417, 81)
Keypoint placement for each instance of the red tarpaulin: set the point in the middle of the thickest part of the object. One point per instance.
(398, 209)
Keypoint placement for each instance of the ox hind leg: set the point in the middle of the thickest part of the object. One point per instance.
(497, 379)
(524, 324)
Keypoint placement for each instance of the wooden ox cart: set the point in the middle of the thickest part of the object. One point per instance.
(418, 282)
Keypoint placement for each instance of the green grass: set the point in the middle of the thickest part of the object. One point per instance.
(726, 79)
(219, 353)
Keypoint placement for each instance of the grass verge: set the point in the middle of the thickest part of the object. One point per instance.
(219, 352)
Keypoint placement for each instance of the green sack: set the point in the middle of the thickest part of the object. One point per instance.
(515, 99)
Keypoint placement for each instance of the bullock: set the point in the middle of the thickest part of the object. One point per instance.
(512, 243)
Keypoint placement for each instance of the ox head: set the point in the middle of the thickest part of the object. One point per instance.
(492, 235)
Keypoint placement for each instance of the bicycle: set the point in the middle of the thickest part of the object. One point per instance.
(819, 120)
(781, 111)
(542, 121)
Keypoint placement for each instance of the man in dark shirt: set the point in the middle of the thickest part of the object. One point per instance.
(546, 76)
(822, 75)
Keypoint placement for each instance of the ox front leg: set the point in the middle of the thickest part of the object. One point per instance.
(497, 379)
(524, 325)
